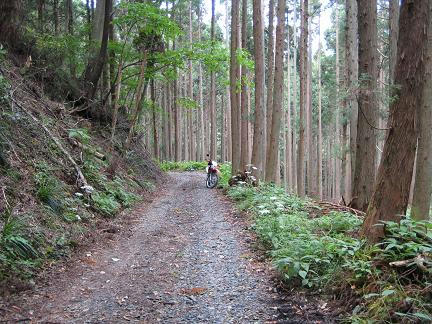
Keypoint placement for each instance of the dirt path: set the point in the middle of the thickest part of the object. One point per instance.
(184, 261)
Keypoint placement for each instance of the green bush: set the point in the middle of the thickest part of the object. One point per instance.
(323, 252)
(105, 203)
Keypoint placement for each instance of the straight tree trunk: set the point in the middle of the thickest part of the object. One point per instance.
(96, 64)
(213, 150)
(288, 181)
(391, 192)
(272, 170)
(258, 149)
(200, 139)
(364, 174)
(294, 109)
(154, 120)
(270, 80)
(394, 32)
(244, 159)
(141, 89)
(10, 22)
(56, 16)
(191, 143)
(320, 138)
(337, 138)
(351, 56)
(303, 80)
(228, 111)
(311, 191)
(423, 170)
(234, 95)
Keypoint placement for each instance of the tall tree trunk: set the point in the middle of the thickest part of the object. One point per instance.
(234, 95)
(116, 101)
(200, 138)
(191, 143)
(294, 108)
(309, 146)
(258, 149)
(320, 139)
(270, 80)
(303, 80)
(141, 89)
(272, 172)
(423, 169)
(394, 32)
(213, 151)
(40, 11)
(96, 64)
(391, 192)
(351, 55)
(56, 16)
(244, 159)
(339, 149)
(10, 21)
(154, 120)
(288, 124)
(228, 111)
(364, 174)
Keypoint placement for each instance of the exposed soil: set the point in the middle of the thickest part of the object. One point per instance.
(186, 259)
(181, 262)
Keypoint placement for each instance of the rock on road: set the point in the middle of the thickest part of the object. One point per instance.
(183, 261)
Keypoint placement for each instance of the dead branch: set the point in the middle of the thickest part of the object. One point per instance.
(419, 261)
(336, 207)
(87, 148)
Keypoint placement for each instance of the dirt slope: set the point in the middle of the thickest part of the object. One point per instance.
(184, 261)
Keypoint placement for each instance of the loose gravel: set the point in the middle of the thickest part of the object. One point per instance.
(185, 260)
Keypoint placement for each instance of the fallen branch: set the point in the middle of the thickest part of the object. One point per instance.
(420, 261)
(87, 148)
(337, 207)
(81, 178)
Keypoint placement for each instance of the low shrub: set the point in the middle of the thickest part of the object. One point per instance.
(323, 252)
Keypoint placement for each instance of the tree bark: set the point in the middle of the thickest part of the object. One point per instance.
(391, 192)
(96, 64)
(303, 79)
(423, 170)
(10, 19)
(192, 146)
(213, 92)
(258, 149)
(320, 139)
(272, 173)
(364, 174)
(141, 88)
(244, 159)
(394, 32)
(270, 80)
(234, 94)
(351, 55)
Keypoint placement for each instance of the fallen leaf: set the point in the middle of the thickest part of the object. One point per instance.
(193, 291)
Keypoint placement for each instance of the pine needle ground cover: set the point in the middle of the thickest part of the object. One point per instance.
(322, 252)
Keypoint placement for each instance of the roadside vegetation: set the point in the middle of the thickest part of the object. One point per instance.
(320, 250)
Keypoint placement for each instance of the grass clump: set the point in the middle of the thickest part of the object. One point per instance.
(323, 252)
(182, 166)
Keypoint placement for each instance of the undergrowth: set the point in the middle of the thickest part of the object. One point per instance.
(224, 175)
(322, 252)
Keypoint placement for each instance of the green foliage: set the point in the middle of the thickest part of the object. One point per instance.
(81, 134)
(182, 166)
(322, 252)
(17, 253)
(105, 203)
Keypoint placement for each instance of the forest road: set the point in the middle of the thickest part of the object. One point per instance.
(185, 260)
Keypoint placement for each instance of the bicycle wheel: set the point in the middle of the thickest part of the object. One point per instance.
(208, 182)
(213, 181)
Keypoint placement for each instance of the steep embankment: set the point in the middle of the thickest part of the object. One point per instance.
(46, 156)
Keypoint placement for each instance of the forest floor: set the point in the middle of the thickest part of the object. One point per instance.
(187, 257)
